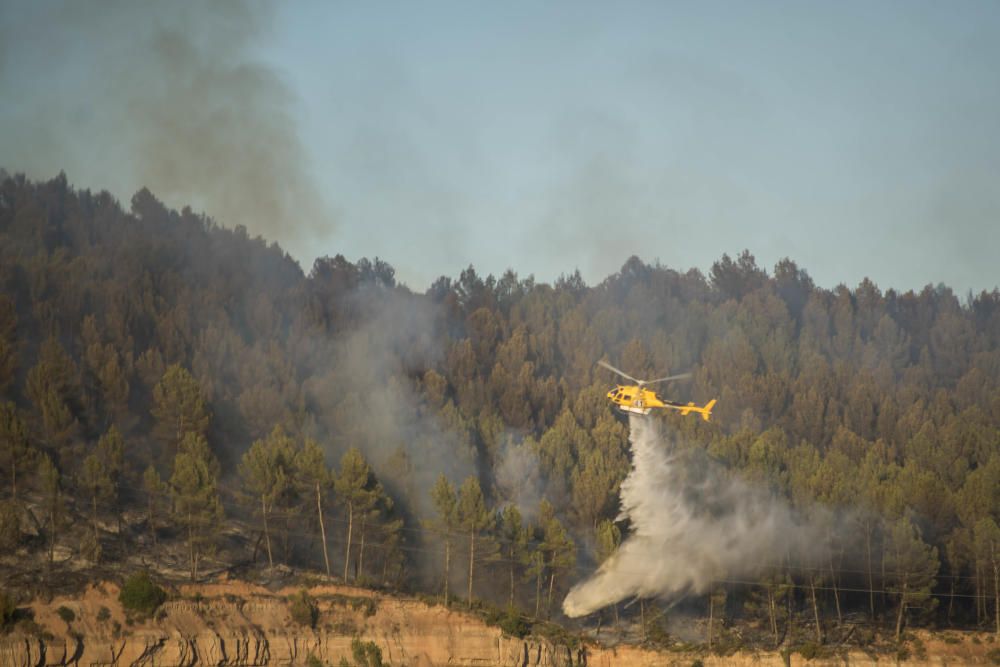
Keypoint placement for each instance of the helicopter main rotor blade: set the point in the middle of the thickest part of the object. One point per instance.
(622, 373)
(681, 376)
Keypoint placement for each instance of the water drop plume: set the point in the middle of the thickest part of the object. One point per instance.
(691, 525)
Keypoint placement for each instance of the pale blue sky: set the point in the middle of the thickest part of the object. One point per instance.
(859, 139)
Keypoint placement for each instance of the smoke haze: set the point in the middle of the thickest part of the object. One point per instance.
(690, 527)
(167, 96)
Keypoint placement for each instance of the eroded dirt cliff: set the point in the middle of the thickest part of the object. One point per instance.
(237, 623)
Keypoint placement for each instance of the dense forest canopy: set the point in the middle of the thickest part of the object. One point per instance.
(152, 359)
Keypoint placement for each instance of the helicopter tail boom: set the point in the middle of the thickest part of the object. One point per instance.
(705, 412)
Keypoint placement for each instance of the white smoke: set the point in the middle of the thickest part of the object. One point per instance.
(690, 526)
(519, 477)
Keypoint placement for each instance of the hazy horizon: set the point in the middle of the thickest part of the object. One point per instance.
(858, 140)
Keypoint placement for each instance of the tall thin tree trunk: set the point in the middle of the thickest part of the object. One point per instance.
(152, 526)
(996, 586)
(711, 619)
(836, 591)
(552, 585)
(868, 560)
(96, 538)
(447, 566)
(979, 593)
(267, 534)
(350, 527)
(322, 529)
(772, 614)
(52, 533)
(193, 563)
(819, 630)
(902, 611)
(538, 585)
(951, 601)
(510, 600)
(361, 549)
(472, 560)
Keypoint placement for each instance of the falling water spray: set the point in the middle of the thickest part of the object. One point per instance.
(691, 526)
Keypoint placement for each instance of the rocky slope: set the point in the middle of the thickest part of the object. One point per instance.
(235, 623)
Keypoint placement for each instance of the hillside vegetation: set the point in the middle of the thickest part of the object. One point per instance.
(458, 441)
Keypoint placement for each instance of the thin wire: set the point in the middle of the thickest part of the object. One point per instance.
(234, 493)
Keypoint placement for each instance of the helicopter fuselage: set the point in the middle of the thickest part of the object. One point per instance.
(641, 401)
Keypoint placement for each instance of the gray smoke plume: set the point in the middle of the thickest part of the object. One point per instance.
(691, 526)
(519, 477)
(173, 96)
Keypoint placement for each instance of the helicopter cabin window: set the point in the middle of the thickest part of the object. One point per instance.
(627, 397)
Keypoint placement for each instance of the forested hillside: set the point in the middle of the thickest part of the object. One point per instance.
(153, 362)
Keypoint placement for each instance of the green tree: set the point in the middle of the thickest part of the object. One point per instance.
(14, 447)
(558, 547)
(513, 540)
(179, 407)
(314, 476)
(377, 517)
(595, 486)
(156, 490)
(354, 487)
(268, 471)
(987, 546)
(53, 502)
(197, 508)
(96, 480)
(474, 519)
(8, 342)
(911, 566)
(54, 390)
(446, 504)
(101, 476)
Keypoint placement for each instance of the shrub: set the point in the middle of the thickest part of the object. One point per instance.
(313, 661)
(103, 614)
(303, 609)
(366, 654)
(368, 605)
(808, 650)
(7, 609)
(140, 594)
(993, 655)
(66, 614)
(511, 622)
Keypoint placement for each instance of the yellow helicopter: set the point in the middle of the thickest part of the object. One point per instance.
(641, 401)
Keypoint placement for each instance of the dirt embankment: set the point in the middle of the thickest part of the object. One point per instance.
(243, 624)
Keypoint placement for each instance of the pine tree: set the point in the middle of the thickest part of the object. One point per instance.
(474, 519)
(97, 481)
(987, 546)
(197, 508)
(179, 407)
(911, 565)
(54, 505)
(314, 476)
(8, 343)
(446, 504)
(14, 447)
(354, 489)
(268, 470)
(558, 547)
(54, 390)
(156, 490)
(513, 538)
